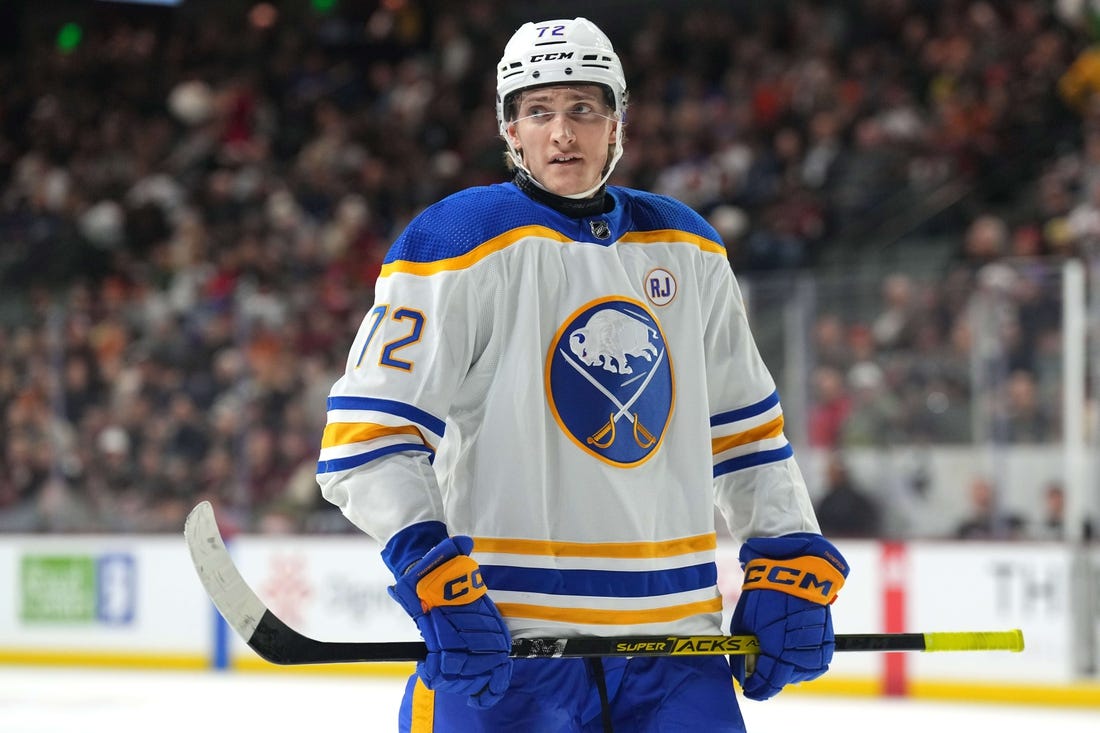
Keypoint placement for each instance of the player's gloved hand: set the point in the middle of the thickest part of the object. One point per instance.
(789, 583)
(468, 643)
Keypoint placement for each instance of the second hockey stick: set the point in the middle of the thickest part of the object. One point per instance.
(278, 643)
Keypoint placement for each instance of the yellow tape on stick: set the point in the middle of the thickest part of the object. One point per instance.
(973, 641)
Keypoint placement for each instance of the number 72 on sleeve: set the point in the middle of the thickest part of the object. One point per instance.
(409, 330)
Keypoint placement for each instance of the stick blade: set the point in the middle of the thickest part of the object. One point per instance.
(236, 602)
(261, 629)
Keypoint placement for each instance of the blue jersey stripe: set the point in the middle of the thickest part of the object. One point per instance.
(390, 407)
(604, 583)
(753, 459)
(343, 464)
(746, 412)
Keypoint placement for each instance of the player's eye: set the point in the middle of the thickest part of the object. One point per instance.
(539, 114)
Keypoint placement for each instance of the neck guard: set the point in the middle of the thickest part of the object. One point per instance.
(598, 203)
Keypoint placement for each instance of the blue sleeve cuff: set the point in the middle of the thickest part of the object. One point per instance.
(412, 543)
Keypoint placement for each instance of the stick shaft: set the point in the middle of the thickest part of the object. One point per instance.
(278, 643)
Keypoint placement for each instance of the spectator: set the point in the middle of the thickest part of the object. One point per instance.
(830, 347)
(986, 520)
(875, 415)
(830, 407)
(1051, 523)
(867, 175)
(1020, 416)
(845, 510)
(986, 241)
(896, 323)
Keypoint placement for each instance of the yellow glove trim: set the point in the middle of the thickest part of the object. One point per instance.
(808, 577)
(454, 583)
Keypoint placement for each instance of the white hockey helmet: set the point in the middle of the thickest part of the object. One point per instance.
(564, 51)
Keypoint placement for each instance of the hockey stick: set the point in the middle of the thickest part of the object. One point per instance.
(276, 642)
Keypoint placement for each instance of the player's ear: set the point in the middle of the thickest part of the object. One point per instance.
(510, 131)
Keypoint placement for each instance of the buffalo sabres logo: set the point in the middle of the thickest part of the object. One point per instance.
(609, 380)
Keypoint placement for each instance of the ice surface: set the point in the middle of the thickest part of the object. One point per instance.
(51, 700)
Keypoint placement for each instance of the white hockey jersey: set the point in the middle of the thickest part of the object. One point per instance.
(576, 395)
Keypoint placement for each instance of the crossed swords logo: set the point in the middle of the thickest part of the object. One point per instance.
(605, 436)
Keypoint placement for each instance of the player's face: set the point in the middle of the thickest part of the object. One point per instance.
(563, 134)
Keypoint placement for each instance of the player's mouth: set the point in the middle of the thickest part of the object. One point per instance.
(565, 159)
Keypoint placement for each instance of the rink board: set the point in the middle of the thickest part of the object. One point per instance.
(135, 601)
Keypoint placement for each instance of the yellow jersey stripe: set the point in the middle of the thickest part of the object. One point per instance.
(631, 550)
(771, 429)
(510, 237)
(461, 262)
(344, 433)
(672, 236)
(599, 616)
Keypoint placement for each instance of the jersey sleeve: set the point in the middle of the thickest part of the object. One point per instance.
(758, 485)
(387, 413)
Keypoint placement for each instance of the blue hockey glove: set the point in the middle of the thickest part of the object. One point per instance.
(468, 643)
(789, 583)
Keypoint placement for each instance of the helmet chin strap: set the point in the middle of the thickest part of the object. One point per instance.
(517, 160)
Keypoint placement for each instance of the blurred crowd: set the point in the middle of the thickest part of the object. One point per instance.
(194, 207)
(971, 356)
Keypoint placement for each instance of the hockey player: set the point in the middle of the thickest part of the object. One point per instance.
(554, 388)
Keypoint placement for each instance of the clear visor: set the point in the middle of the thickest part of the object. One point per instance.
(582, 114)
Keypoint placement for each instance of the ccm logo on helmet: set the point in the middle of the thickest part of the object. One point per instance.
(460, 586)
(551, 56)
